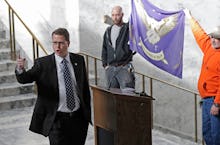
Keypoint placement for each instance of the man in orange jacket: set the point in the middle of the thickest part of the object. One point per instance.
(209, 80)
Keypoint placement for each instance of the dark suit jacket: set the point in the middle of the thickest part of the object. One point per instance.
(44, 73)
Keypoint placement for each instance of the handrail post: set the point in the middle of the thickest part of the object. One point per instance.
(143, 83)
(14, 44)
(12, 33)
(37, 49)
(151, 87)
(33, 46)
(151, 95)
(95, 68)
(10, 28)
(196, 125)
(87, 65)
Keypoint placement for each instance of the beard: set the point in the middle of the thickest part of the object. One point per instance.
(117, 22)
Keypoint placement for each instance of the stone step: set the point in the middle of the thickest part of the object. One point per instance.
(7, 65)
(13, 118)
(8, 115)
(17, 101)
(4, 43)
(7, 77)
(11, 89)
(5, 54)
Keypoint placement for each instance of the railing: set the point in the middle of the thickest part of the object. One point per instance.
(36, 44)
(143, 77)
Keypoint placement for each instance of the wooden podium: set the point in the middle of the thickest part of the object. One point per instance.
(121, 118)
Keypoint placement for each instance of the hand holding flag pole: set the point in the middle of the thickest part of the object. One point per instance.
(187, 13)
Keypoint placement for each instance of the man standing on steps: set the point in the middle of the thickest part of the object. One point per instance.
(116, 54)
(62, 110)
(209, 80)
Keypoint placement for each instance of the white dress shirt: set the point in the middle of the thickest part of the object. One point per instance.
(62, 91)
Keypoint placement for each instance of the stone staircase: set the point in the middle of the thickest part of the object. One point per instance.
(12, 94)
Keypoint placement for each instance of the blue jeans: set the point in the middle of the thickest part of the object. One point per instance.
(120, 77)
(210, 123)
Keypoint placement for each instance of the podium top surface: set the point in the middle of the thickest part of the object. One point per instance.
(126, 92)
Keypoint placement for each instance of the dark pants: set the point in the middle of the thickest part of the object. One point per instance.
(69, 129)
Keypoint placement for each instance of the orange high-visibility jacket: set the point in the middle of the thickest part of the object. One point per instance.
(209, 80)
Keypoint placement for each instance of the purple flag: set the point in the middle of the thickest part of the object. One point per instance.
(158, 36)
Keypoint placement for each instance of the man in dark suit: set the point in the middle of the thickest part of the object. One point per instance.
(65, 122)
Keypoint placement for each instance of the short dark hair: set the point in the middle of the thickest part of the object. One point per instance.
(62, 31)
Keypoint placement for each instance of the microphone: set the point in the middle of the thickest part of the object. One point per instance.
(142, 94)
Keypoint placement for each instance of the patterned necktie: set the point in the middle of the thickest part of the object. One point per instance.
(68, 85)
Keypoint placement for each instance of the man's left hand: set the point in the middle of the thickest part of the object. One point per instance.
(214, 110)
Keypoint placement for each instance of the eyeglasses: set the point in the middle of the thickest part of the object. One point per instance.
(59, 43)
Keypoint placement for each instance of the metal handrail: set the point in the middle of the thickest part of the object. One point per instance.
(146, 76)
(36, 43)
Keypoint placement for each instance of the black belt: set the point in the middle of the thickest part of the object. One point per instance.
(118, 64)
(68, 114)
(206, 97)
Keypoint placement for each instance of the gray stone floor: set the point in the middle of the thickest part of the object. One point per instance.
(14, 131)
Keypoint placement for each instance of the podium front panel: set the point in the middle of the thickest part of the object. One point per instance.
(133, 122)
(121, 119)
(104, 110)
